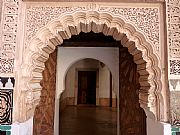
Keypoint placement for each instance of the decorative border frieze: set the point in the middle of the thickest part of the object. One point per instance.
(9, 35)
(145, 19)
(173, 36)
(173, 29)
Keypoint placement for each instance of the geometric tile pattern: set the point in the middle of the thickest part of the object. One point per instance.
(5, 106)
(6, 65)
(175, 130)
(5, 130)
(6, 100)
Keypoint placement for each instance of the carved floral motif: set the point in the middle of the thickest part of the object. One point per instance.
(173, 11)
(174, 67)
(6, 65)
(145, 19)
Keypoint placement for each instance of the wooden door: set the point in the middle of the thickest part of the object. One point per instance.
(87, 87)
(132, 116)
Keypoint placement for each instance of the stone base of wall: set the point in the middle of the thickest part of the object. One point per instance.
(70, 100)
(106, 102)
(66, 101)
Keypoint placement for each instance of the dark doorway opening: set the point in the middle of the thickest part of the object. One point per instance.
(87, 87)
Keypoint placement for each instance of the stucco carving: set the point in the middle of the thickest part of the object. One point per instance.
(174, 67)
(43, 38)
(9, 33)
(173, 12)
(145, 19)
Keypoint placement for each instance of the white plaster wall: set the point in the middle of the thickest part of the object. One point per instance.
(68, 56)
(157, 128)
(104, 82)
(25, 128)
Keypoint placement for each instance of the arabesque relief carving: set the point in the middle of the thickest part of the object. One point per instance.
(9, 35)
(47, 26)
(173, 29)
(173, 10)
(145, 19)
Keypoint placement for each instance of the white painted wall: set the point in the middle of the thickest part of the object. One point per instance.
(157, 128)
(25, 128)
(68, 56)
(104, 82)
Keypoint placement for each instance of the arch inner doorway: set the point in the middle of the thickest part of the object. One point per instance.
(132, 119)
(85, 105)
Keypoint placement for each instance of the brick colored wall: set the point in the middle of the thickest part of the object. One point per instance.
(44, 113)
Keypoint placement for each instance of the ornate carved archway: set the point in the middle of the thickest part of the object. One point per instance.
(54, 32)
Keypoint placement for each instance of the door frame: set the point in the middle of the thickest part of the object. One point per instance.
(76, 83)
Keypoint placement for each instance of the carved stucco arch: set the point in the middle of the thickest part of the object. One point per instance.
(53, 34)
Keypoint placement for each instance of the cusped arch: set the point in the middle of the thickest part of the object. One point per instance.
(53, 34)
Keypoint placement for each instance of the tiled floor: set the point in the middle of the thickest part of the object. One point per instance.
(83, 120)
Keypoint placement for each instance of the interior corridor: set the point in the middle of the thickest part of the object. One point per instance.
(88, 120)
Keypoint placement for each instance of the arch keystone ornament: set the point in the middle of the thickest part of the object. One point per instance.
(137, 28)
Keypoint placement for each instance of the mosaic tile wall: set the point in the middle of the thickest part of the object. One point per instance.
(175, 130)
(5, 130)
(6, 100)
(6, 104)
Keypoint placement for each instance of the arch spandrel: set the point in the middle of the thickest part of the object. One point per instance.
(45, 40)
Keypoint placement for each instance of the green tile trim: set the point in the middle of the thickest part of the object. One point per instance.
(175, 129)
(8, 132)
(5, 128)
